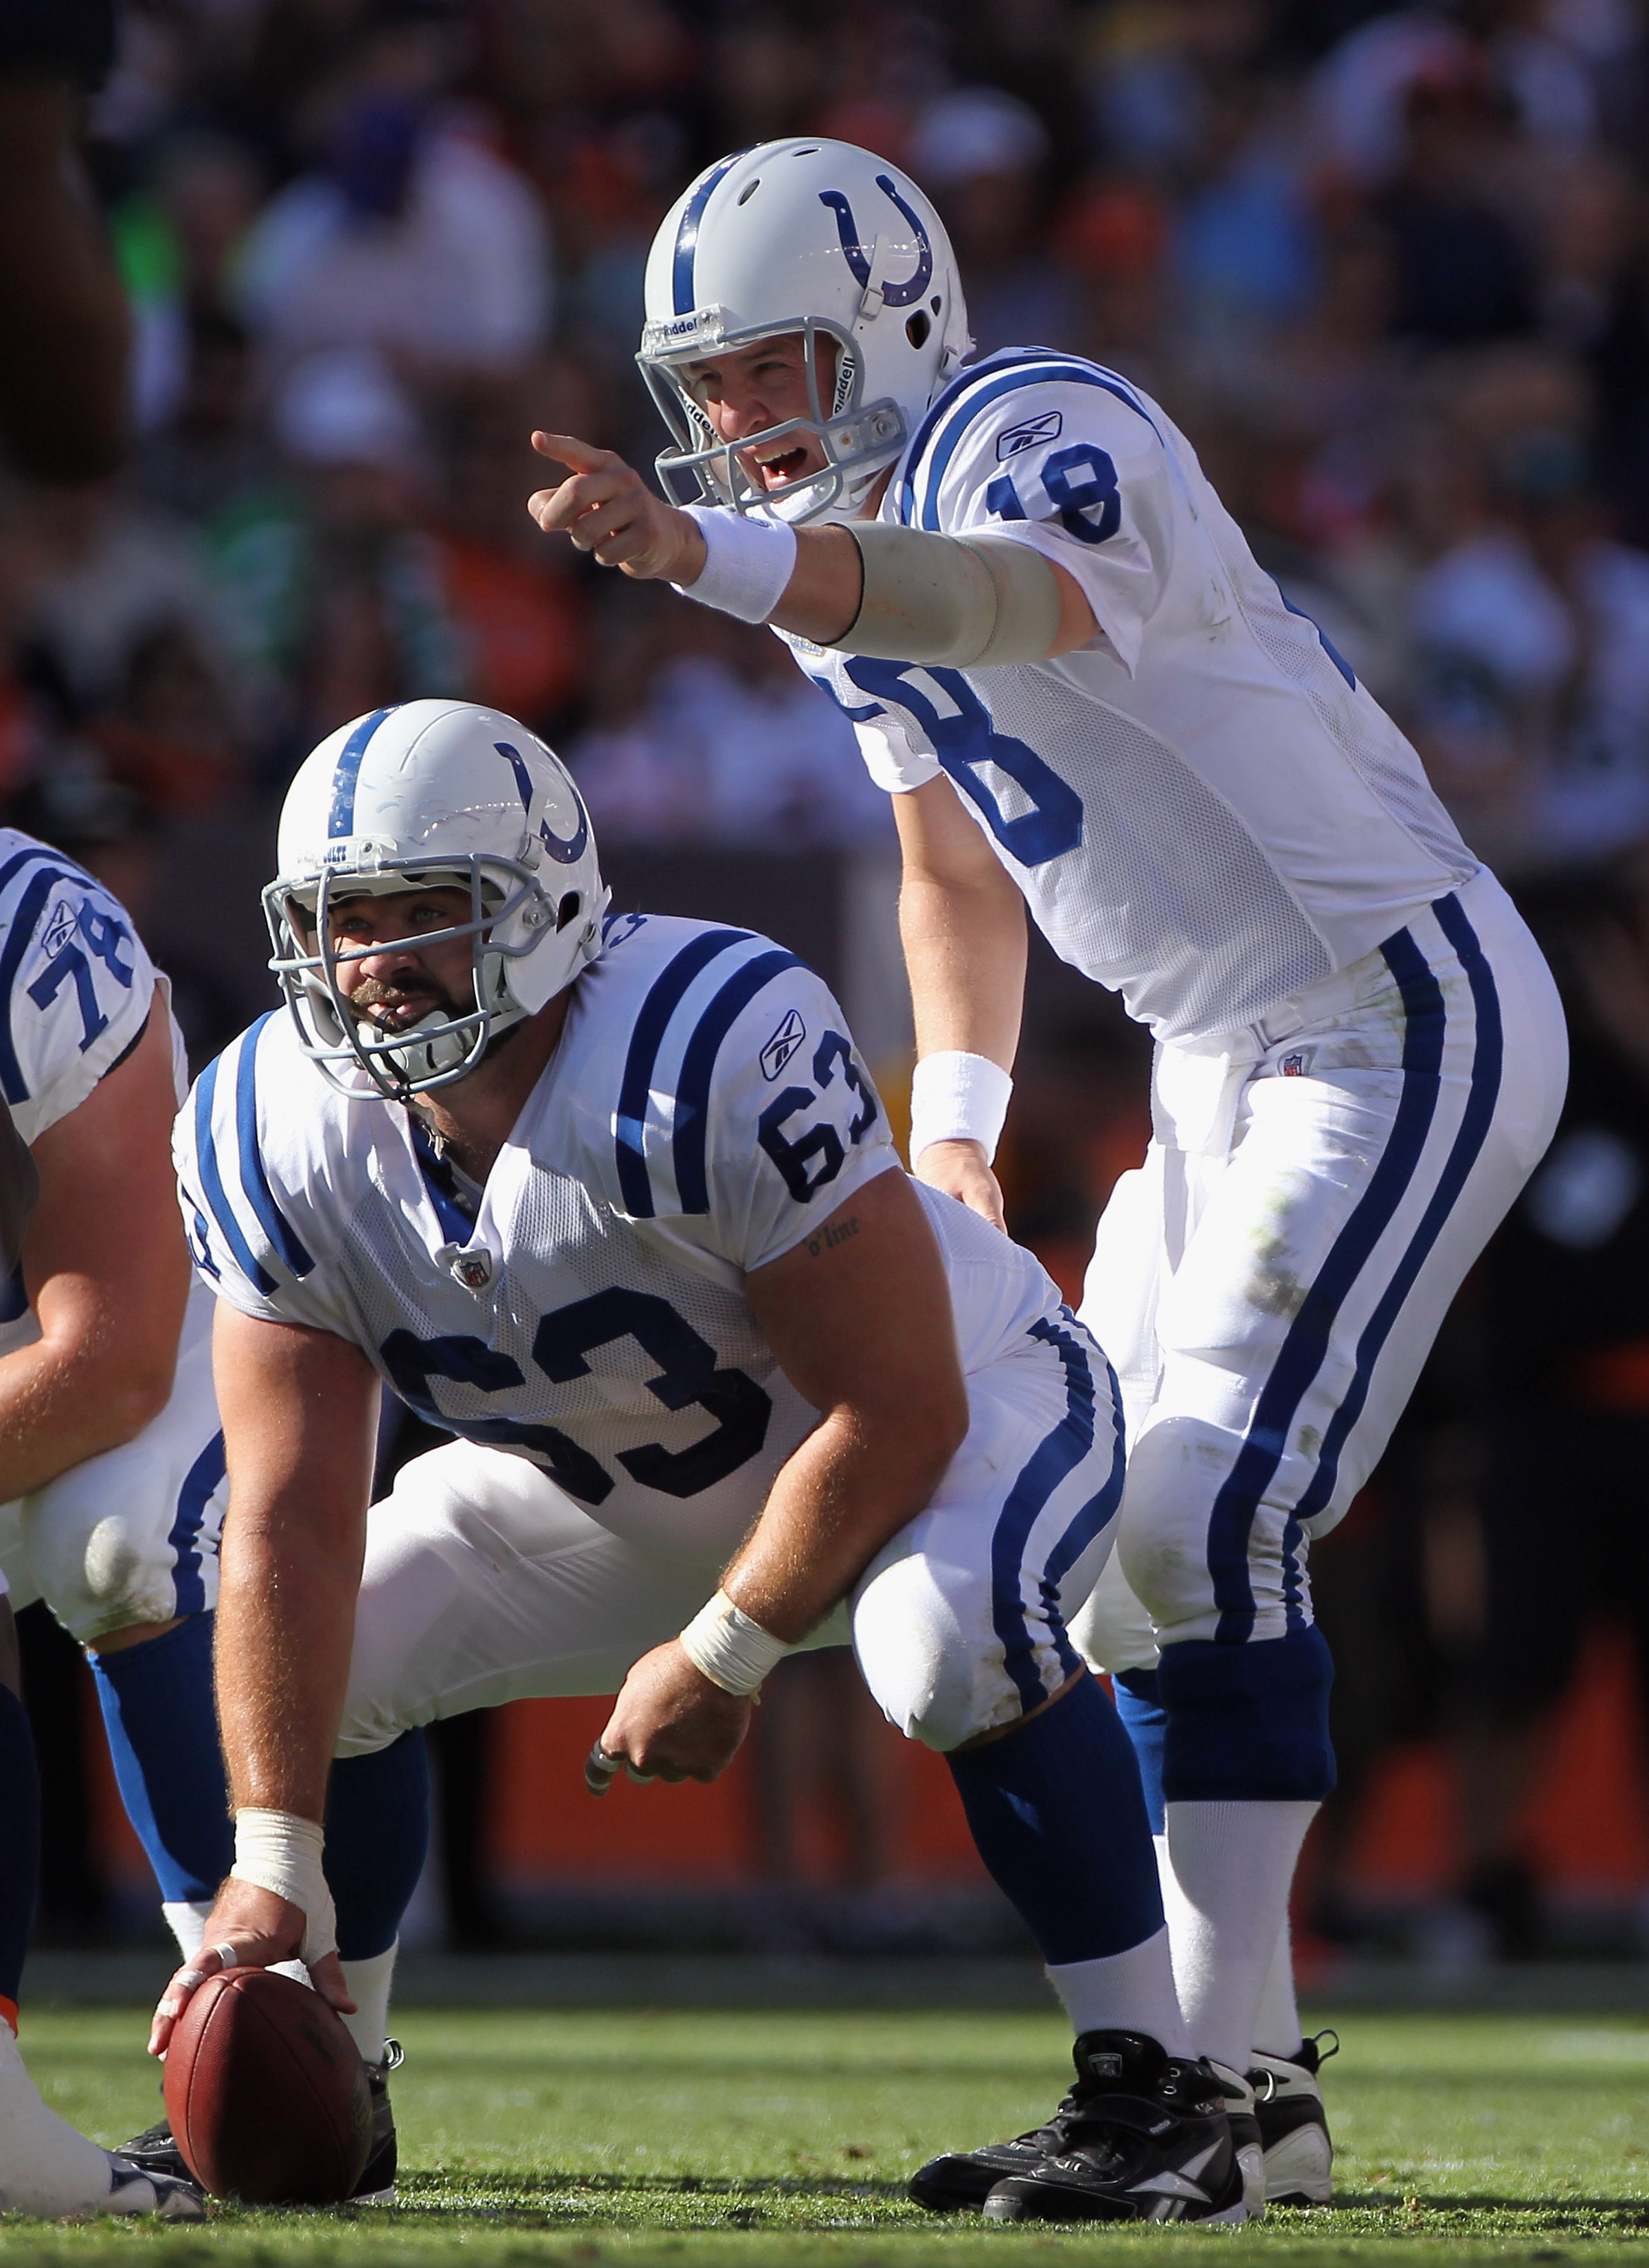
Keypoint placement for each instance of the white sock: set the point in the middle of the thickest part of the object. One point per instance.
(186, 1920)
(1131, 1991)
(1276, 2028)
(369, 1983)
(1232, 1863)
(45, 2166)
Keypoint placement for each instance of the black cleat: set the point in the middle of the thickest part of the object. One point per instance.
(155, 2150)
(1142, 2136)
(377, 2185)
(1293, 2126)
(962, 2180)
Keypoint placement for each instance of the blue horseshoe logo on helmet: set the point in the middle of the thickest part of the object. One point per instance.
(893, 295)
(564, 850)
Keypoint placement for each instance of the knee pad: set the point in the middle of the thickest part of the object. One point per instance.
(1177, 1528)
(1247, 1724)
(1162, 1536)
(101, 1561)
(915, 1656)
(1111, 1630)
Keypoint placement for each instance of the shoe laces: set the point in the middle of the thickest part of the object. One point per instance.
(1057, 2126)
(1080, 2106)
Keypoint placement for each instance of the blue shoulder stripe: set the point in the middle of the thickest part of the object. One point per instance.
(645, 1040)
(341, 819)
(698, 1065)
(22, 928)
(956, 410)
(687, 235)
(212, 1183)
(18, 859)
(253, 1180)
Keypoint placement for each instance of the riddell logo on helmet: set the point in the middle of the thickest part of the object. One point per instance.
(703, 326)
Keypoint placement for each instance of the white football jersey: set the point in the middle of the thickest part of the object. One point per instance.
(704, 1111)
(1204, 810)
(75, 989)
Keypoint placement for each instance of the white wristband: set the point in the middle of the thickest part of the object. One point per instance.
(278, 1851)
(958, 1098)
(731, 1650)
(749, 565)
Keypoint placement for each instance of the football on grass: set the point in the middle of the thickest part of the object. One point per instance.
(267, 2092)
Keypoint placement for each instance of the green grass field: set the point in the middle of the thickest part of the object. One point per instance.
(782, 2142)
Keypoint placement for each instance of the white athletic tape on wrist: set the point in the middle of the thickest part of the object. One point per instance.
(958, 1098)
(731, 1650)
(748, 563)
(278, 1851)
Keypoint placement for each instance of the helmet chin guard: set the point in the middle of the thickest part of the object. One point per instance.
(820, 239)
(431, 794)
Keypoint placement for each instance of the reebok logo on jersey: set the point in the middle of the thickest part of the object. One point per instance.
(782, 1045)
(1030, 435)
(60, 928)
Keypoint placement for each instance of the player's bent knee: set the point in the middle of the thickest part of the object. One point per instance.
(1175, 1528)
(930, 1677)
(100, 1570)
(1111, 1629)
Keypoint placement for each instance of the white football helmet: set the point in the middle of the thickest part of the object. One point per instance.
(823, 239)
(432, 792)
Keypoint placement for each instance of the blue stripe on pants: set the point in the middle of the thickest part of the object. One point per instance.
(1052, 1463)
(1306, 1344)
(1475, 1123)
(199, 1485)
(1094, 1515)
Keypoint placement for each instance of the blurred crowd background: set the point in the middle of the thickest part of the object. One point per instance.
(1389, 268)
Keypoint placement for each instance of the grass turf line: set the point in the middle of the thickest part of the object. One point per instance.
(682, 2139)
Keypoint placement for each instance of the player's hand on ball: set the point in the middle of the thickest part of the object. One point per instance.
(607, 508)
(248, 1928)
(961, 1170)
(671, 1722)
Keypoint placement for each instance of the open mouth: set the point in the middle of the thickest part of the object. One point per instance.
(776, 468)
(395, 1012)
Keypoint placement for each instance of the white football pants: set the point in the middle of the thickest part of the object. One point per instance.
(485, 1582)
(1270, 1282)
(131, 1536)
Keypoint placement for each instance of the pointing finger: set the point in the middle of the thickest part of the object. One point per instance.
(567, 449)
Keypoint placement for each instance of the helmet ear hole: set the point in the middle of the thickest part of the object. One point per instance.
(918, 327)
(569, 909)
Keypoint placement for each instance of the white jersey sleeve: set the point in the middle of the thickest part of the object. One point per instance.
(748, 1115)
(254, 1185)
(76, 986)
(1062, 456)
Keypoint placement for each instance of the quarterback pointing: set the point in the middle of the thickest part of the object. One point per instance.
(616, 1206)
(1088, 700)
